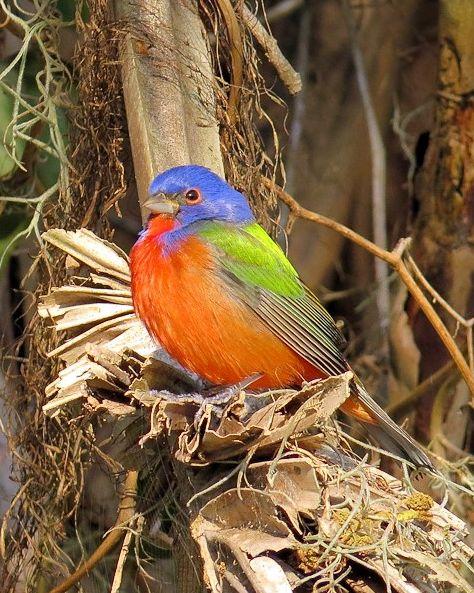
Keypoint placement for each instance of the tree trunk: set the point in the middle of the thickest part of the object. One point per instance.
(443, 233)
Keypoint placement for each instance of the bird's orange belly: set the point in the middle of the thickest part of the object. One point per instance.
(190, 311)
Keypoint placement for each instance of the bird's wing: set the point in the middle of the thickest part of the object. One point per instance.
(258, 272)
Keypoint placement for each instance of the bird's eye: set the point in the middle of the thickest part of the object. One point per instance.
(193, 196)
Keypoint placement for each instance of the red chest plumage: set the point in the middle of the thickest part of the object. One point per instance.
(189, 310)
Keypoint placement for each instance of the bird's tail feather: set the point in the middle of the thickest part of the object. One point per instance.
(390, 436)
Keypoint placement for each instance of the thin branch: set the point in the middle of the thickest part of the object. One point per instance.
(300, 212)
(437, 324)
(436, 296)
(470, 348)
(394, 259)
(118, 575)
(378, 158)
(286, 72)
(397, 408)
(115, 535)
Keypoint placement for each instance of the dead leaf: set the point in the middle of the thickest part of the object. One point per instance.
(270, 575)
(99, 254)
(294, 487)
(441, 571)
(247, 509)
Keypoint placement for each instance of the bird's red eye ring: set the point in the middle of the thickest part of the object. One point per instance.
(193, 196)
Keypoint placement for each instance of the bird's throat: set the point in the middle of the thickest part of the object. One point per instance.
(160, 225)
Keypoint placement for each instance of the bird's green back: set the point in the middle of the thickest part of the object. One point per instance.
(254, 258)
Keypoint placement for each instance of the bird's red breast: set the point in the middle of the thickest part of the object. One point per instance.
(190, 311)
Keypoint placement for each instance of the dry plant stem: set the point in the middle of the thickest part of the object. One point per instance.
(377, 150)
(470, 348)
(399, 407)
(117, 582)
(435, 294)
(468, 324)
(394, 259)
(437, 324)
(7, 23)
(236, 54)
(285, 70)
(126, 511)
(166, 124)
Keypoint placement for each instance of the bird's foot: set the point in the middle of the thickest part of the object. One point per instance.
(215, 397)
(222, 395)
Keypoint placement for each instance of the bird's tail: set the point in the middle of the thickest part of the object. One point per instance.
(379, 424)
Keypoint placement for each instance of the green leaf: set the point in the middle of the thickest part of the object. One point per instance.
(7, 165)
(48, 166)
(11, 225)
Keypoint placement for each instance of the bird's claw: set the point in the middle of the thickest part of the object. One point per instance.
(179, 398)
(215, 397)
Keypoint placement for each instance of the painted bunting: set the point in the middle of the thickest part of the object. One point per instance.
(222, 298)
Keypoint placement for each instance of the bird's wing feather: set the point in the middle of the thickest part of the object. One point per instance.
(258, 273)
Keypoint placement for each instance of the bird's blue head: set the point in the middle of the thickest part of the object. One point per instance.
(192, 193)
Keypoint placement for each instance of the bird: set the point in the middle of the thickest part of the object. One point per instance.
(221, 297)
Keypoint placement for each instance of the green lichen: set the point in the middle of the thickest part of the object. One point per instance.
(418, 502)
(361, 531)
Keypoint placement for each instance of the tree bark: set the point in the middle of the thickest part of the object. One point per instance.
(168, 93)
(444, 189)
(170, 108)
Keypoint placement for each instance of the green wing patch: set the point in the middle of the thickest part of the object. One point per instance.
(258, 273)
(253, 257)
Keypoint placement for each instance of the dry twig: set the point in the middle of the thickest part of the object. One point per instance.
(116, 534)
(285, 70)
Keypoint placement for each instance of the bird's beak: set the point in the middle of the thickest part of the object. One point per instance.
(162, 204)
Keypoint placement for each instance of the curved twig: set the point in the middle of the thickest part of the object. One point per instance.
(116, 534)
(436, 296)
(286, 72)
